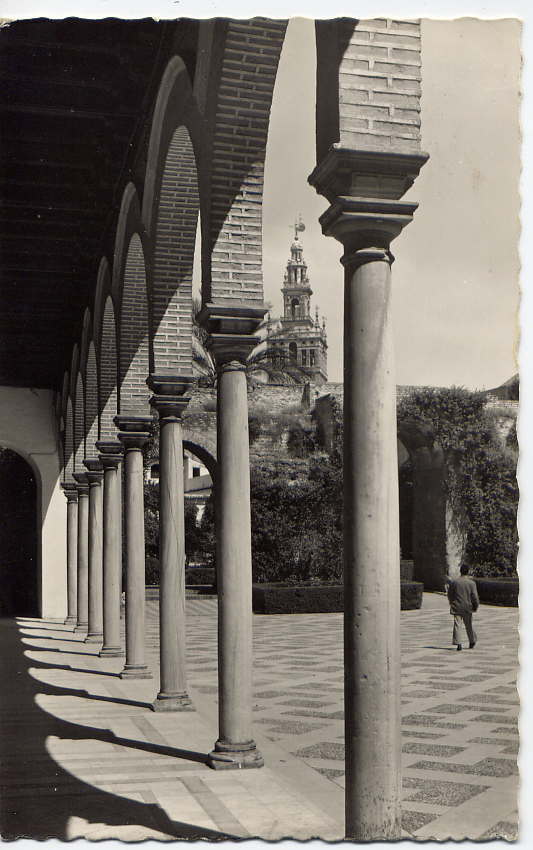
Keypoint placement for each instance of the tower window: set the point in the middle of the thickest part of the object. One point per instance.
(295, 308)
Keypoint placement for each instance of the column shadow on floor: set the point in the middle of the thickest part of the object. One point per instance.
(76, 669)
(63, 640)
(34, 648)
(32, 805)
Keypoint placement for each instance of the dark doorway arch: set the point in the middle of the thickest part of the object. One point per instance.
(18, 537)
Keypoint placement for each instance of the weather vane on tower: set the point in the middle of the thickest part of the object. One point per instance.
(299, 226)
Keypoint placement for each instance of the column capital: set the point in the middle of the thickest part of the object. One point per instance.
(110, 453)
(366, 225)
(95, 472)
(82, 483)
(365, 173)
(364, 190)
(134, 431)
(169, 397)
(70, 489)
(231, 329)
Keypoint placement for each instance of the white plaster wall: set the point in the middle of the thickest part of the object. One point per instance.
(27, 425)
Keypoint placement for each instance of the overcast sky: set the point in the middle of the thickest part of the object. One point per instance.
(455, 279)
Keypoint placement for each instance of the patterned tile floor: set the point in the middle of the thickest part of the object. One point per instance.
(79, 736)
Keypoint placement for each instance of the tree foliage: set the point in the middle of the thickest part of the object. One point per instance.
(297, 526)
(480, 471)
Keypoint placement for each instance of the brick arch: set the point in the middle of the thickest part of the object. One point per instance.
(241, 84)
(92, 421)
(134, 365)
(85, 337)
(64, 395)
(173, 257)
(108, 371)
(175, 106)
(208, 459)
(68, 447)
(79, 425)
(103, 288)
(74, 368)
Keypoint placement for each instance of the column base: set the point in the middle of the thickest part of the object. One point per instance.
(81, 627)
(139, 671)
(94, 638)
(71, 621)
(111, 652)
(172, 702)
(235, 756)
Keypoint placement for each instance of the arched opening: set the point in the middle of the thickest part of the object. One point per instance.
(199, 484)
(405, 488)
(18, 537)
(295, 308)
(293, 352)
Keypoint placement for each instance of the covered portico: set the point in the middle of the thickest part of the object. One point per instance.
(117, 138)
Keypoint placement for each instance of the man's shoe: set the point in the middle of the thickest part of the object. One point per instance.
(459, 647)
(472, 645)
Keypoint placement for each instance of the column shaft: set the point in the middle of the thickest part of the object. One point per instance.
(95, 607)
(135, 666)
(173, 688)
(235, 746)
(72, 559)
(112, 522)
(83, 561)
(371, 549)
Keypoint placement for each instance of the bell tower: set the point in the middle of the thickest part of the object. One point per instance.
(301, 340)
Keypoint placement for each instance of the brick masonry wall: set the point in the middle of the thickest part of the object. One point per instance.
(134, 334)
(79, 426)
(91, 403)
(379, 86)
(173, 258)
(108, 373)
(242, 114)
(69, 442)
(268, 403)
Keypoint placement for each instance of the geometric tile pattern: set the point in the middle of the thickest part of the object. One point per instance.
(459, 711)
(84, 756)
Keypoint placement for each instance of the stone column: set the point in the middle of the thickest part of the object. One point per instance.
(71, 493)
(235, 747)
(170, 402)
(134, 434)
(371, 522)
(82, 486)
(95, 619)
(111, 458)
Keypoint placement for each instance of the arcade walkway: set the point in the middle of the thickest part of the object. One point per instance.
(84, 756)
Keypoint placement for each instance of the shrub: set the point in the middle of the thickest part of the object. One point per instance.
(297, 527)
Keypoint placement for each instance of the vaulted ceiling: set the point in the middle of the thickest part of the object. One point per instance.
(75, 107)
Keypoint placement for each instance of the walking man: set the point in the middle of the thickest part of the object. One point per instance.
(463, 599)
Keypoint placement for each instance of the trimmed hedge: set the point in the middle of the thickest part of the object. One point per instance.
(199, 575)
(498, 591)
(298, 599)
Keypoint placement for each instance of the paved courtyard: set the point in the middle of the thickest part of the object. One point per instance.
(84, 756)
